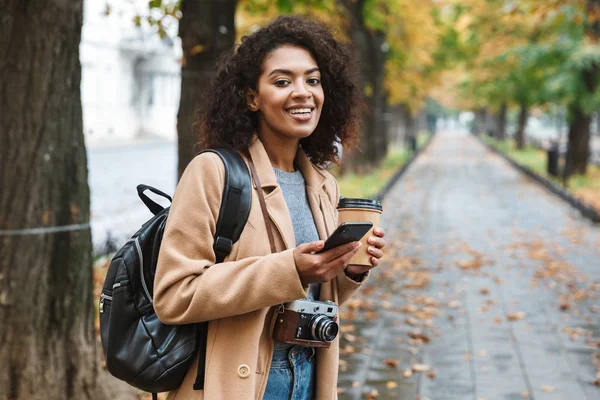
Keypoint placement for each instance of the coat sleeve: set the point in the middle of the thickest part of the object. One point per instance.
(189, 287)
(346, 286)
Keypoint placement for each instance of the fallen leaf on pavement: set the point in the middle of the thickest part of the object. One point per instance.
(417, 335)
(421, 368)
(564, 306)
(548, 389)
(391, 363)
(454, 304)
(391, 384)
(516, 316)
(350, 338)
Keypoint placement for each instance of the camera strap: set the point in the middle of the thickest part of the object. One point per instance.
(263, 205)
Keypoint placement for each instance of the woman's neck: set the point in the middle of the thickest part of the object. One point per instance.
(281, 152)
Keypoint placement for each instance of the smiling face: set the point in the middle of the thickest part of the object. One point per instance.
(289, 96)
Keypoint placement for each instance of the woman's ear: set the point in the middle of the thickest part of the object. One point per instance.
(250, 95)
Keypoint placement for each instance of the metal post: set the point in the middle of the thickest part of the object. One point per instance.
(553, 157)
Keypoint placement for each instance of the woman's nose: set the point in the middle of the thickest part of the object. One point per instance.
(300, 90)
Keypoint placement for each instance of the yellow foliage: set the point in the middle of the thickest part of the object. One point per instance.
(413, 37)
(247, 20)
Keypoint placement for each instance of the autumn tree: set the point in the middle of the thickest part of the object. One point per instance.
(414, 64)
(485, 33)
(47, 340)
(587, 69)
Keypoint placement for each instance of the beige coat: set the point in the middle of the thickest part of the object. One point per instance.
(239, 296)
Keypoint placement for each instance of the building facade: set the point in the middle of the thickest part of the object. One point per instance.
(130, 76)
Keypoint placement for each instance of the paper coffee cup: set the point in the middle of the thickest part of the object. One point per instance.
(360, 210)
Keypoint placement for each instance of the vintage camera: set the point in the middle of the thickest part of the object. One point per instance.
(307, 323)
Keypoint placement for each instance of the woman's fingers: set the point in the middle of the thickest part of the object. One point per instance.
(375, 252)
(379, 231)
(338, 251)
(376, 241)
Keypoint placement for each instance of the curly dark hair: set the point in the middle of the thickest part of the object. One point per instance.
(226, 119)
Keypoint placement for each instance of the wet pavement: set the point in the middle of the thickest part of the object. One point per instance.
(490, 289)
(114, 173)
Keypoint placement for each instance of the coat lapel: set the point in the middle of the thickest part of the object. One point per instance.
(317, 198)
(276, 205)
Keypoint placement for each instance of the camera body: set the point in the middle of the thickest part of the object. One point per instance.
(307, 323)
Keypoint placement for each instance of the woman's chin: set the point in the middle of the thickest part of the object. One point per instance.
(302, 132)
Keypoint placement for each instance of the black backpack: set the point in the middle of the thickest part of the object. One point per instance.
(138, 348)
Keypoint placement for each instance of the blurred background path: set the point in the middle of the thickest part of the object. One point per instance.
(114, 173)
(491, 290)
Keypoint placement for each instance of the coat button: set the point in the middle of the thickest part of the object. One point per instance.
(244, 371)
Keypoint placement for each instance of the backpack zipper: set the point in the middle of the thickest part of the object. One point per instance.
(103, 297)
(141, 256)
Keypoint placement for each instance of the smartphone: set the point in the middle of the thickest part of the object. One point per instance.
(346, 233)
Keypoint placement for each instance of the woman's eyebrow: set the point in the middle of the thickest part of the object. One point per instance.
(288, 72)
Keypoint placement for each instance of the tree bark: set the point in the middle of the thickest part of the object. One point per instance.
(207, 30)
(579, 141)
(501, 123)
(520, 134)
(374, 136)
(47, 340)
(578, 148)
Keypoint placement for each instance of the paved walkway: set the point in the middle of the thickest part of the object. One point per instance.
(114, 173)
(491, 289)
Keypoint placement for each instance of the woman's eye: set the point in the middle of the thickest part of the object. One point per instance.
(281, 82)
(314, 81)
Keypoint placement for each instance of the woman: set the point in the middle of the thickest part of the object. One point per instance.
(282, 100)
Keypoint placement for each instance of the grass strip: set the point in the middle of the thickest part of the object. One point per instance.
(584, 187)
(368, 185)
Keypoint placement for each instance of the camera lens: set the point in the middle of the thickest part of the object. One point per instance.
(323, 328)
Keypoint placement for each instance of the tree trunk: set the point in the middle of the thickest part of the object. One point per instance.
(410, 124)
(479, 121)
(47, 340)
(396, 125)
(578, 148)
(520, 134)
(501, 123)
(207, 30)
(374, 136)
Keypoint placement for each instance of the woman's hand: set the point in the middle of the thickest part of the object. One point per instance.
(314, 268)
(376, 244)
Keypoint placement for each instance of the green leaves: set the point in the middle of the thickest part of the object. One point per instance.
(285, 6)
(154, 3)
(374, 14)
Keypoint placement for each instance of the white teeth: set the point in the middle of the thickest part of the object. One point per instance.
(300, 111)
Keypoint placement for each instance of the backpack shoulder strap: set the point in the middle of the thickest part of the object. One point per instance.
(235, 206)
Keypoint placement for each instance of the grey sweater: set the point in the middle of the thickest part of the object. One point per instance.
(294, 191)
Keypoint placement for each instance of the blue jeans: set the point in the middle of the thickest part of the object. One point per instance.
(292, 374)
